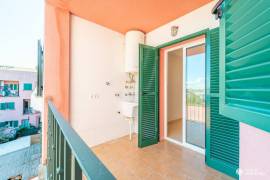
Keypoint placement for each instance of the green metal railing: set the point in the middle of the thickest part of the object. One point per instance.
(68, 155)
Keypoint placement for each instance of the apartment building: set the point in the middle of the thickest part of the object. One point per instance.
(16, 88)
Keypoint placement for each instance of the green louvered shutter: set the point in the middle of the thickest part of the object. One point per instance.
(3, 106)
(15, 86)
(27, 86)
(148, 96)
(222, 133)
(11, 105)
(245, 62)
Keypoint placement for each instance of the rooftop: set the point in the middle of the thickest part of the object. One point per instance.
(12, 68)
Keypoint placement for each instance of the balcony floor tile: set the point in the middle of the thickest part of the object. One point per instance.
(163, 161)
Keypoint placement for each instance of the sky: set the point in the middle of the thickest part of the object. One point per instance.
(21, 25)
(195, 67)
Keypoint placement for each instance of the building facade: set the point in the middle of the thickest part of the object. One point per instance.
(16, 88)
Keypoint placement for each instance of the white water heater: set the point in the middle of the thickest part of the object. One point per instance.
(132, 41)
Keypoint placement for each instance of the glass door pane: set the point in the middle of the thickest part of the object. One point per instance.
(195, 95)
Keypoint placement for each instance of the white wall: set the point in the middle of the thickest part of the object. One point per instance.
(175, 88)
(37, 103)
(254, 153)
(192, 22)
(97, 57)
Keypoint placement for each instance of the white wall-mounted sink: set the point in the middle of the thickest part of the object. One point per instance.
(128, 111)
(128, 108)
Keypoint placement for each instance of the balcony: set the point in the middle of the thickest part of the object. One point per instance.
(30, 110)
(8, 93)
(224, 115)
(9, 88)
(70, 158)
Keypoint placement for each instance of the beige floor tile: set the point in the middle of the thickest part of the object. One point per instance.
(155, 176)
(160, 161)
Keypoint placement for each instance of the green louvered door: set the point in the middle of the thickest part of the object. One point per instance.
(245, 62)
(148, 96)
(222, 134)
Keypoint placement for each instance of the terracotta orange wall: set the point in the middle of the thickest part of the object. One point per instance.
(56, 81)
(162, 81)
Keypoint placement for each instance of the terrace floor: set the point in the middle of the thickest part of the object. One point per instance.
(164, 160)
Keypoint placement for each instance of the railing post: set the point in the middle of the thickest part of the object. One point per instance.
(60, 168)
(67, 161)
(49, 144)
(54, 148)
(76, 172)
(57, 170)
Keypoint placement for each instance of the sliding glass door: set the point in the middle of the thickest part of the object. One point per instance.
(195, 95)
